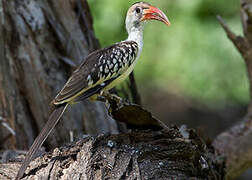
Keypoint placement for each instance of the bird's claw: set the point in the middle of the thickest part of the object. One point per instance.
(112, 101)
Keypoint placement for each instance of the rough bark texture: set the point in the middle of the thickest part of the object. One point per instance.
(43, 41)
(235, 144)
(136, 155)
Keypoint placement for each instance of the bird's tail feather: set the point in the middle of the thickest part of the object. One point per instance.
(50, 124)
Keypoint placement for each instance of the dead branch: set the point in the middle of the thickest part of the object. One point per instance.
(136, 155)
(235, 144)
(239, 42)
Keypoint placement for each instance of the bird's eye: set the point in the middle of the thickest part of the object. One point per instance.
(138, 10)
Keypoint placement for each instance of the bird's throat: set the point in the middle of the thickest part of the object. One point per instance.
(136, 35)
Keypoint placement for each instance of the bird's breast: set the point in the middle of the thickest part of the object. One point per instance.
(128, 55)
(121, 77)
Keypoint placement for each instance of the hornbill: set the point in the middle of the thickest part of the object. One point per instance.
(100, 71)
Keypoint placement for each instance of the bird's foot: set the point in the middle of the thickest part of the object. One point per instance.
(112, 97)
(112, 101)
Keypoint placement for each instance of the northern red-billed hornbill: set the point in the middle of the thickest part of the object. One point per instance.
(100, 71)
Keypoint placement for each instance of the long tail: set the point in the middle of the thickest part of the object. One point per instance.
(50, 124)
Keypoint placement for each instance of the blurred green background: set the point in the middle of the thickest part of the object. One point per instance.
(192, 58)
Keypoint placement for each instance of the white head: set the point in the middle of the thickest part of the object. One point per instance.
(140, 12)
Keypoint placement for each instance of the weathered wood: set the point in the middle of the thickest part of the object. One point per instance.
(235, 143)
(136, 155)
(43, 40)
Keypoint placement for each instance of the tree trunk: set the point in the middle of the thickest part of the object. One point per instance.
(41, 42)
(136, 155)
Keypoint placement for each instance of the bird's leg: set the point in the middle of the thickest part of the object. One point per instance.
(111, 101)
(111, 97)
(102, 98)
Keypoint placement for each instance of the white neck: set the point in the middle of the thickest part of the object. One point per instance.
(136, 34)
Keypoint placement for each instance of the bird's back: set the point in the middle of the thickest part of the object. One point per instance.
(102, 69)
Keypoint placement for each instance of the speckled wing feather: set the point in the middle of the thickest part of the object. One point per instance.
(98, 70)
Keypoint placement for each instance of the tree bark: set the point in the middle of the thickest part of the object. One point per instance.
(41, 43)
(136, 155)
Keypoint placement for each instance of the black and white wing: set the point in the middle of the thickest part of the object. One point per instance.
(98, 70)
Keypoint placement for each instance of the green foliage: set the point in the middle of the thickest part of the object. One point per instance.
(193, 56)
(209, 8)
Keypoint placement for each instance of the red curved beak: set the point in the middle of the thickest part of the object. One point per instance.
(153, 13)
